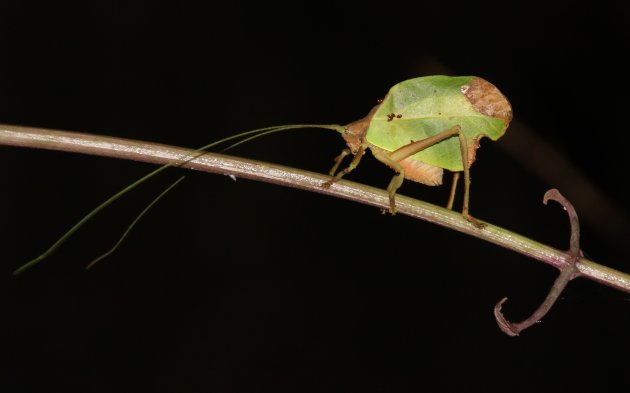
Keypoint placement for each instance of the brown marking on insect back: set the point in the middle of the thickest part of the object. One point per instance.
(393, 116)
(487, 99)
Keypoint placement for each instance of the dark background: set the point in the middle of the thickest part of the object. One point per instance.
(244, 286)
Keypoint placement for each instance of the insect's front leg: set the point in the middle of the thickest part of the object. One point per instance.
(353, 164)
(345, 152)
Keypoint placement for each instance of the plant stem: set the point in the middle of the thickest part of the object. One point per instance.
(567, 273)
(292, 177)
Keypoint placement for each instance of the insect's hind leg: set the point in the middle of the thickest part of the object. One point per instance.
(353, 164)
(463, 144)
(393, 159)
(417, 146)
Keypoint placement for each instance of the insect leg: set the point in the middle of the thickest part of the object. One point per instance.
(338, 160)
(392, 159)
(412, 148)
(415, 147)
(451, 198)
(385, 157)
(353, 164)
(464, 148)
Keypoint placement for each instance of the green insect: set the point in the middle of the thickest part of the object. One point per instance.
(425, 125)
(421, 127)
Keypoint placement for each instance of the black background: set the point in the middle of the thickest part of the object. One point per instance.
(244, 286)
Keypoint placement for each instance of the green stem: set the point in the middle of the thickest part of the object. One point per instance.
(291, 177)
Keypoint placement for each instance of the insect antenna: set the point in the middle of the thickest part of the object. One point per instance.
(248, 135)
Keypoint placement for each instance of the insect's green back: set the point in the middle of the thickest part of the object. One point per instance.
(419, 108)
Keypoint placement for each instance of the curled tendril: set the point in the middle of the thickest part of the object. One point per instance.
(567, 272)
